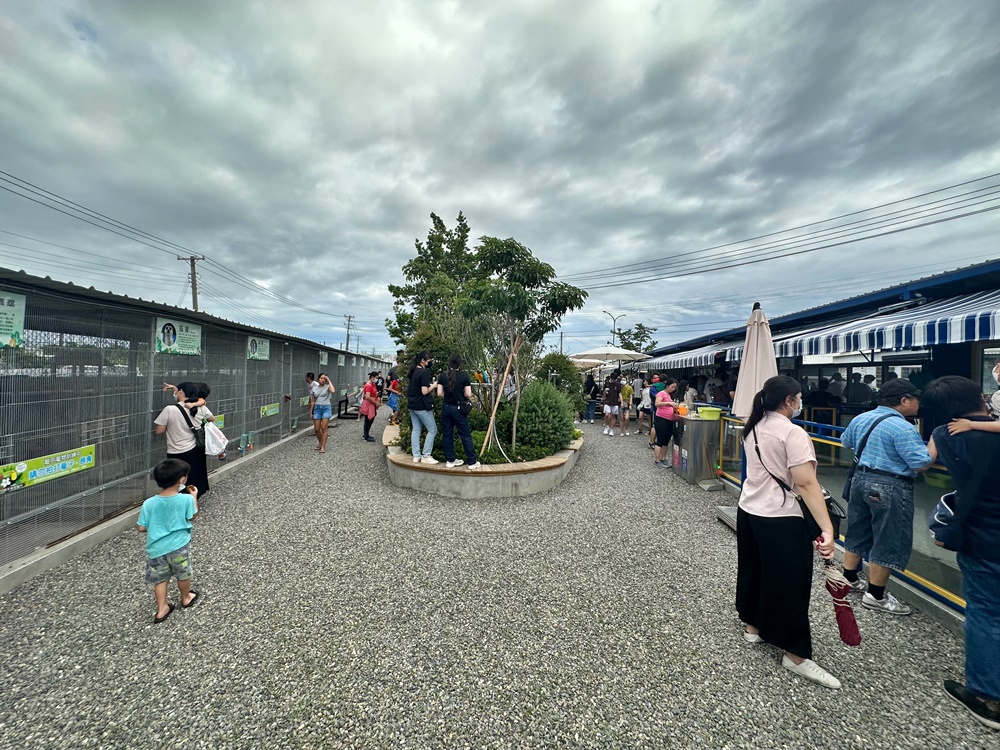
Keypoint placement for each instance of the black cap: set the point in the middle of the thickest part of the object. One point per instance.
(898, 387)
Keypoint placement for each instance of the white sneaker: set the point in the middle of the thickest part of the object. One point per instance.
(859, 586)
(605, 430)
(475, 467)
(752, 637)
(811, 671)
(453, 464)
(890, 604)
(429, 460)
(592, 421)
(626, 432)
(416, 459)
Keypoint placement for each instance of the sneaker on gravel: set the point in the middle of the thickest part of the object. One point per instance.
(429, 460)
(605, 430)
(890, 605)
(475, 467)
(592, 421)
(453, 464)
(752, 637)
(626, 432)
(980, 709)
(811, 671)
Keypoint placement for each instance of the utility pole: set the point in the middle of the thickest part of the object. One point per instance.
(350, 319)
(560, 342)
(194, 278)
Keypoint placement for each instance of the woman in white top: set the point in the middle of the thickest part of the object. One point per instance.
(176, 421)
(774, 551)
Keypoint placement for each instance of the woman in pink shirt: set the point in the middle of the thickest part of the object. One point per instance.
(774, 551)
(663, 422)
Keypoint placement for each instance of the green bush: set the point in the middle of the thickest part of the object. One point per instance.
(545, 419)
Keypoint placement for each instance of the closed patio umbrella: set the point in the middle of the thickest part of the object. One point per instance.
(757, 364)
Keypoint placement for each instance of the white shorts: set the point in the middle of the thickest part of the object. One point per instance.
(610, 409)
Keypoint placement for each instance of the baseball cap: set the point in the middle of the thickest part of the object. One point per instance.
(898, 387)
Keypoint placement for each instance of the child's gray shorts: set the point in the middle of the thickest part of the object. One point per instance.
(176, 564)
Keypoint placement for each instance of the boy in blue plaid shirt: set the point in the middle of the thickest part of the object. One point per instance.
(166, 519)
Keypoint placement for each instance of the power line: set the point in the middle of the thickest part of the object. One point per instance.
(653, 263)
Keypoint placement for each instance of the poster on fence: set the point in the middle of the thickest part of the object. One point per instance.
(44, 468)
(340, 360)
(12, 320)
(323, 357)
(269, 410)
(258, 348)
(176, 337)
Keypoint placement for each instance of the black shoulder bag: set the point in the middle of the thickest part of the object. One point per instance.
(464, 404)
(846, 493)
(199, 435)
(833, 508)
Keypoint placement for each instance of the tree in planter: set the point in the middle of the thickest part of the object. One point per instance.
(522, 302)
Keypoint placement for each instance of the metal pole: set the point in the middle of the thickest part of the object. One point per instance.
(614, 324)
(193, 260)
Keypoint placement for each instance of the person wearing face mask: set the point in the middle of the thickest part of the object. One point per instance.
(880, 508)
(774, 551)
(177, 422)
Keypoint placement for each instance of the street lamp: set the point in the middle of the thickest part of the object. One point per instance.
(614, 324)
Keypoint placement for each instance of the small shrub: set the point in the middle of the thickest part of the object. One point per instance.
(545, 419)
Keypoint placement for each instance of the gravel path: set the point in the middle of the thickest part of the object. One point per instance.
(340, 611)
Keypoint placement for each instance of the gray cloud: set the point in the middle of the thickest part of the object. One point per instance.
(304, 144)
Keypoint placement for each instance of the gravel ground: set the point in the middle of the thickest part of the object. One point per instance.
(340, 611)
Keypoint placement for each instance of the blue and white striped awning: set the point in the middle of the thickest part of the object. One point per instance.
(973, 317)
(702, 357)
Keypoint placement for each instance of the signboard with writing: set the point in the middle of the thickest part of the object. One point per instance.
(220, 421)
(354, 361)
(258, 348)
(304, 401)
(323, 357)
(177, 337)
(12, 320)
(340, 360)
(44, 468)
(269, 410)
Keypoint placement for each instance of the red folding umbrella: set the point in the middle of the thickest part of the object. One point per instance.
(839, 588)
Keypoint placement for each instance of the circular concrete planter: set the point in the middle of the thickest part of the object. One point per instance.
(497, 480)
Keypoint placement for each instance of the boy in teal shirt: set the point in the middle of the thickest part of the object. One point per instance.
(166, 519)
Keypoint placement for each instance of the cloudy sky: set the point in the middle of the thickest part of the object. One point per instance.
(303, 145)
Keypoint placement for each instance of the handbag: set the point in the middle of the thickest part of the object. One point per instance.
(846, 492)
(834, 509)
(215, 439)
(464, 404)
(199, 435)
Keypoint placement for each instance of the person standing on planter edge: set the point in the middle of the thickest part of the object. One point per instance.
(774, 551)
(455, 389)
(970, 449)
(370, 401)
(420, 400)
(880, 505)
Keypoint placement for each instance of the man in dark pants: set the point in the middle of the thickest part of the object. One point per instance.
(880, 510)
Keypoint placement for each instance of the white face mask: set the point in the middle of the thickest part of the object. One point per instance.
(797, 411)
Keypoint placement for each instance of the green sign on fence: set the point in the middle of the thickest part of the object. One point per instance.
(269, 410)
(44, 468)
(12, 319)
(177, 337)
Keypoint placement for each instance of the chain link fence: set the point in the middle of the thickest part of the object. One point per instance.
(79, 395)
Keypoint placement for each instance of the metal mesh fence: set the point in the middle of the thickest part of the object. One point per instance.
(87, 381)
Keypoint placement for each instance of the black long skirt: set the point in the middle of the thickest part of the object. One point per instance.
(198, 476)
(774, 579)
